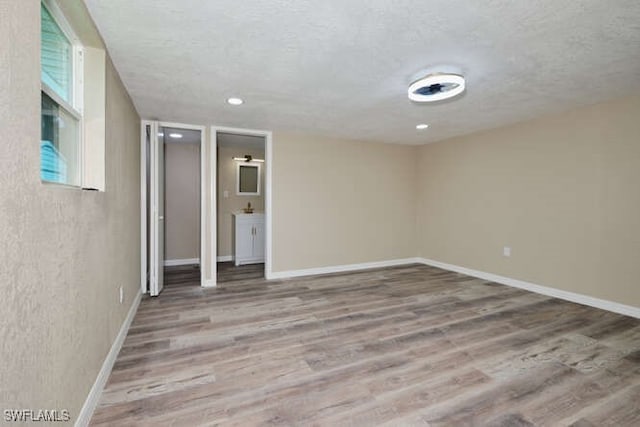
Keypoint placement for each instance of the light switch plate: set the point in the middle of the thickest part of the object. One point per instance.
(506, 251)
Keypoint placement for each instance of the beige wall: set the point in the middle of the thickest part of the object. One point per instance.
(64, 252)
(339, 202)
(234, 203)
(562, 191)
(182, 200)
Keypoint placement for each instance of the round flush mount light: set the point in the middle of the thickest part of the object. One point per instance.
(234, 101)
(422, 126)
(436, 87)
(175, 135)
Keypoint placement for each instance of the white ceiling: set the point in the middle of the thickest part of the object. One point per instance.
(341, 68)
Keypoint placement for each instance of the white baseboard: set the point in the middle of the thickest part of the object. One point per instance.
(615, 307)
(96, 390)
(225, 258)
(341, 268)
(186, 261)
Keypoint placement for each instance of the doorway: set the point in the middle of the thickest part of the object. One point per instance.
(172, 205)
(242, 200)
(182, 206)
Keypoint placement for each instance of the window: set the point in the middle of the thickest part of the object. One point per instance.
(61, 81)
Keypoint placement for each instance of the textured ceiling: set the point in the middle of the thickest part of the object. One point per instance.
(341, 68)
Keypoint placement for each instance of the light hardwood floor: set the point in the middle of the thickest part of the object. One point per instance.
(228, 272)
(410, 345)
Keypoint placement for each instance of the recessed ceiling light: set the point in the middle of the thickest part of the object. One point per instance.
(422, 126)
(436, 87)
(175, 135)
(234, 101)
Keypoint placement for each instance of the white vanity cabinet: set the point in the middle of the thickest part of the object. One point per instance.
(249, 241)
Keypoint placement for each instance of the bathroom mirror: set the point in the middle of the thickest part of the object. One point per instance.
(248, 179)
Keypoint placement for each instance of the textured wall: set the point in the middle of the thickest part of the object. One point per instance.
(341, 202)
(182, 201)
(233, 203)
(562, 192)
(63, 252)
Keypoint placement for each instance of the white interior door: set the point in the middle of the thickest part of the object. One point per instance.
(156, 262)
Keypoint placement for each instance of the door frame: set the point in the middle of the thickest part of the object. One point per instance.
(143, 196)
(268, 206)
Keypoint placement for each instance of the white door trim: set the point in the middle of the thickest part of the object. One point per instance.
(268, 140)
(213, 228)
(143, 205)
(204, 261)
(156, 280)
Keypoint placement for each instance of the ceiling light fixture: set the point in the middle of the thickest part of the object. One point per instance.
(175, 135)
(436, 87)
(235, 101)
(248, 158)
(422, 126)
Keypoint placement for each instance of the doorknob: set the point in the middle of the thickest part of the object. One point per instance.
(161, 218)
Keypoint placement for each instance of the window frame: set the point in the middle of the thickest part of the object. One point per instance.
(75, 107)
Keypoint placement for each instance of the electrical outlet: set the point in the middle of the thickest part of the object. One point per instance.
(121, 295)
(506, 251)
